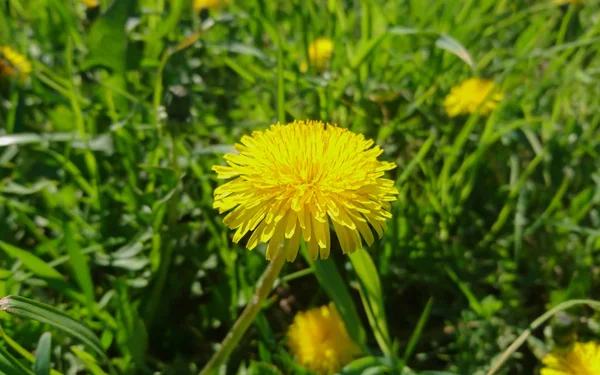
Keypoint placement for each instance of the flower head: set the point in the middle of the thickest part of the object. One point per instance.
(291, 181)
(565, 2)
(320, 52)
(472, 94)
(90, 3)
(580, 359)
(319, 340)
(208, 4)
(13, 63)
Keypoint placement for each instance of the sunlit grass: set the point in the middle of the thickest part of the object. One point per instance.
(106, 187)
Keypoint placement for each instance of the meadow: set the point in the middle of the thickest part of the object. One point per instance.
(118, 117)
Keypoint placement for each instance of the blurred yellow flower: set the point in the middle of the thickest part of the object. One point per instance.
(90, 3)
(564, 2)
(13, 63)
(208, 4)
(291, 181)
(320, 52)
(580, 359)
(470, 95)
(319, 340)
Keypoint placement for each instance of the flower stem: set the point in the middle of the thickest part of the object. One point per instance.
(263, 288)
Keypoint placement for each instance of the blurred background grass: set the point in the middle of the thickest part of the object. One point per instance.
(106, 150)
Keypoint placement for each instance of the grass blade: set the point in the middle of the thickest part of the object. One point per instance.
(80, 266)
(11, 365)
(280, 85)
(451, 45)
(28, 309)
(372, 297)
(330, 279)
(41, 365)
(414, 338)
(473, 301)
(89, 361)
(31, 262)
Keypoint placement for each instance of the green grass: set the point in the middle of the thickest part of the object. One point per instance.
(106, 183)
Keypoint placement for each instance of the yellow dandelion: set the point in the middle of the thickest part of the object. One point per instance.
(90, 3)
(11, 60)
(565, 2)
(580, 359)
(320, 52)
(470, 95)
(198, 5)
(291, 181)
(319, 340)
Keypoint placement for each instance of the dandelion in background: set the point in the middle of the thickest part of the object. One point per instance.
(580, 359)
(470, 95)
(293, 180)
(90, 3)
(319, 340)
(320, 52)
(13, 63)
(565, 2)
(198, 5)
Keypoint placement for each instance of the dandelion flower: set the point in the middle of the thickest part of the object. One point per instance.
(319, 340)
(11, 60)
(581, 359)
(472, 94)
(208, 4)
(320, 52)
(90, 3)
(293, 180)
(565, 2)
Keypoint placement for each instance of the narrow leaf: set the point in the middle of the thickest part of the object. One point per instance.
(365, 50)
(88, 361)
(372, 297)
(414, 338)
(80, 266)
(41, 366)
(335, 287)
(364, 365)
(451, 45)
(28, 309)
(473, 301)
(31, 262)
(10, 365)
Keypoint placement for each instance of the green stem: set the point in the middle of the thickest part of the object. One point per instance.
(263, 288)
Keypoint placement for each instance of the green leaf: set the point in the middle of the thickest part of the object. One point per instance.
(443, 41)
(335, 287)
(12, 187)
(31, 262)
(414, 338)
(131, 336)
(10, 365)
(80, 266)
(28, 309)
(263, 368)
(41, 366)
(451, 45)
(100, 143)
(280, 86)
(473, 301)
(372, 297)
(365, 365)
(365, 50)
(107, 39)
(89, 361)
(43, 270)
